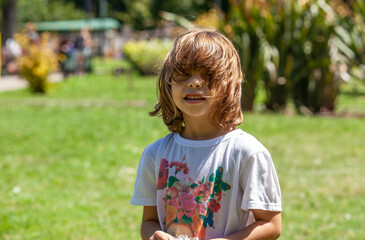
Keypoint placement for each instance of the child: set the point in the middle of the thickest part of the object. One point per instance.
(206, 179)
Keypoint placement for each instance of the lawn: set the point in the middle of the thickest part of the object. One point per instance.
(68, 161)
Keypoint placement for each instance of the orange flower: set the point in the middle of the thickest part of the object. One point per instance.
(171, 214)
(197, 226)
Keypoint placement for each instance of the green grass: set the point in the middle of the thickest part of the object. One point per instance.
(68, 162)
(352, 98)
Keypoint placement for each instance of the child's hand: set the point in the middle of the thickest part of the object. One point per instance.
(160, 235)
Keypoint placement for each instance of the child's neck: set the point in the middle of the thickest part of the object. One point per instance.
(203, 130)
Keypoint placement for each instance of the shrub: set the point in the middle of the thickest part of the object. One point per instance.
(242, 26)
(37, 61)
(290, 46)
(351, 42)
(146, 56)
(210, 19)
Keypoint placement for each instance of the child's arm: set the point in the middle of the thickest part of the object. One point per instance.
(267, 225)
(150, 228)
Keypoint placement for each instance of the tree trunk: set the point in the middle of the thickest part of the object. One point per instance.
(9, 18)
(248, 95)
(277, 95)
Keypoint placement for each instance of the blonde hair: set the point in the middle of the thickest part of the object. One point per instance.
(212, 53)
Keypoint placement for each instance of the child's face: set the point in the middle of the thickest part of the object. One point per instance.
(191, 94)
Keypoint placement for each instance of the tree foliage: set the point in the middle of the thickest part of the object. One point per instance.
(141, 14)
(15, 13)
(145, 14)
(289, 46)
(46, 10)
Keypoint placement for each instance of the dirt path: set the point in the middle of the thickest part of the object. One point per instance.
(15, 82)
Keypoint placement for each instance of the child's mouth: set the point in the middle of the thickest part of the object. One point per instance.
(194, 99)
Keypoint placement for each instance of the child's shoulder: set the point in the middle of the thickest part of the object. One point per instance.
(248, 143)
(153, 147)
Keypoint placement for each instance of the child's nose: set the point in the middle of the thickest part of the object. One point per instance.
(195, 81)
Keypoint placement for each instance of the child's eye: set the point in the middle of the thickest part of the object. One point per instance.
(207, 75)
(180, 77)
(184, 75)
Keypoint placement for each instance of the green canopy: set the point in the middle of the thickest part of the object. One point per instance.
(95, 24)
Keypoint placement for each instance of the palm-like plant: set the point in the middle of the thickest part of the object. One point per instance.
(314, 82)
(350, 39)
(288, 45)
(242, 25)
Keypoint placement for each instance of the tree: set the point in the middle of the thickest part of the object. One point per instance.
(9, 13)
(47, 10)
(144, 14)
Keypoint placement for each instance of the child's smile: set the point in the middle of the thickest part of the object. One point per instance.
(191, 95)
(194, 98)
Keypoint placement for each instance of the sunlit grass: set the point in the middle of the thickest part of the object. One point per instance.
(352, 98)
(320, 165)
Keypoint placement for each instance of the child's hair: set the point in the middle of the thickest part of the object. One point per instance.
(212, 54)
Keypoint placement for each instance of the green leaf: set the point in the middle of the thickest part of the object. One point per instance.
(172, 180)
(212, 177)
(187, 219)
(193, 185)
(344, 48)
(343, 34)
(199, 199)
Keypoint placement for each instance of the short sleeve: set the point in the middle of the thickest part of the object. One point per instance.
(145, 186)
(260, 184)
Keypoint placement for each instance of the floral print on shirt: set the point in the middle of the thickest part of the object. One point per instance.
(190, 205)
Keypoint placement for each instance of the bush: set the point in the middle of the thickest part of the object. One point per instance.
(291, 47)
(146, 56)
(351, 42)
(37, 61)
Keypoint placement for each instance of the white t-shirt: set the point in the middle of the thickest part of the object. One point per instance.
(205, 188)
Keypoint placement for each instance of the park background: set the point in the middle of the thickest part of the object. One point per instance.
(69, 149)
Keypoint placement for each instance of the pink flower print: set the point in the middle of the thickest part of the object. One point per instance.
(178, 186)
(188, 204)
(188, 181)
(174, 202)
(179, 166)
(202, 209)
(172, 163)
(213, 205)
(172, 192)
(187, 201)
(202, 190)
(163, 174)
